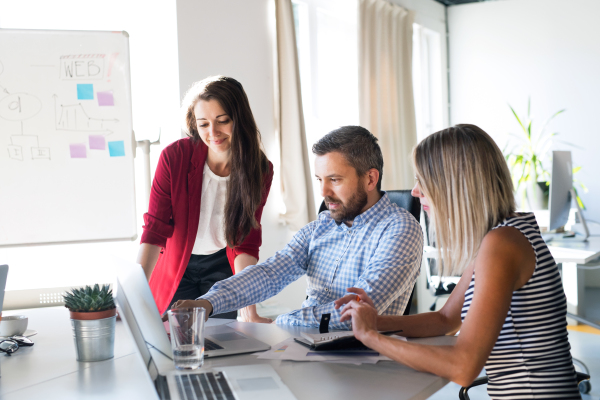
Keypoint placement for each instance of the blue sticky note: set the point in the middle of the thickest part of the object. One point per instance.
(85, 91)
(116, 149)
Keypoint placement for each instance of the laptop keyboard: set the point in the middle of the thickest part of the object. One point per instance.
(210, 345)
(206, 386)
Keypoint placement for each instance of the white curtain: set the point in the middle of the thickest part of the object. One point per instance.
(386, 106)
(296, 182)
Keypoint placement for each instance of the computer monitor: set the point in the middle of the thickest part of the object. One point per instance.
(561, 191)
(3, 275)
(561, 182)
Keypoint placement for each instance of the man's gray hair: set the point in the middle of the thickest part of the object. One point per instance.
(358, 146)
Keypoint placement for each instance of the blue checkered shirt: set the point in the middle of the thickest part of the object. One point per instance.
(380, 253)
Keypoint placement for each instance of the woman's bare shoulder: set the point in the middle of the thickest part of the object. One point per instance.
(506, 238)
(508, 249)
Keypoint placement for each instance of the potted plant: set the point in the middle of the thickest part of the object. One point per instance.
(526, 162)
(93, 317)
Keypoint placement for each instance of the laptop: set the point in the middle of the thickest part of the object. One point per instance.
(3, 275)
(219, 340)
(248, 382)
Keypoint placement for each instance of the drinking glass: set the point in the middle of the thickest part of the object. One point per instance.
(187, 337)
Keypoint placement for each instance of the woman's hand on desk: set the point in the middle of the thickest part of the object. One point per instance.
(356, 294)
(191, 304)
(363, 317)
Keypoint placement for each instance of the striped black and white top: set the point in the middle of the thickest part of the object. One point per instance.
(531, 358)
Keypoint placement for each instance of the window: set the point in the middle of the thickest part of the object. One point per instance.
(327, 41)
(427, 81)
(326, 35)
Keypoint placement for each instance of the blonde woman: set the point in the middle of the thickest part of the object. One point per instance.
(509, 305)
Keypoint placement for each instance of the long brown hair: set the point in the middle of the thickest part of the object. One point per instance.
(464, 175)
(248, 162)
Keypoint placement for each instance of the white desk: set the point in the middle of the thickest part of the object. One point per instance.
(314, 380)
(571, 254)
(48, 369)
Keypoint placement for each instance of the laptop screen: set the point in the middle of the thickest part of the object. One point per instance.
(134, 285)
(128, 317)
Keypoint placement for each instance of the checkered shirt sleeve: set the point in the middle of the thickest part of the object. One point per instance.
(260, 282)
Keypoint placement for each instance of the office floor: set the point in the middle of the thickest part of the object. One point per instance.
(585, 346)
(592, 309)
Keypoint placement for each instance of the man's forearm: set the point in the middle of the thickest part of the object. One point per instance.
(254, 284)
(260, 282)
(235, 293)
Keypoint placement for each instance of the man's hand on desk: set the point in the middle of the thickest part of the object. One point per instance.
(249, 314)
(191, 304)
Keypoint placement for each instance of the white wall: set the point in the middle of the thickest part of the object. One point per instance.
(505, 51)
(234, 38)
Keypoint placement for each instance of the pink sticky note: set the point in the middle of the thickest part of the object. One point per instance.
(105, 99)
(97, 142)
(78, 150)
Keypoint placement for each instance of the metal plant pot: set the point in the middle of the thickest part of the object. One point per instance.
(94, 338)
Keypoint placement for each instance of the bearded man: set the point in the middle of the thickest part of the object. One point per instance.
(362, 240)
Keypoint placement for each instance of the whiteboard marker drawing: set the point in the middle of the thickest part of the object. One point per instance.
(20, 143)
(19, 107)
(73, 117)
(82, 66)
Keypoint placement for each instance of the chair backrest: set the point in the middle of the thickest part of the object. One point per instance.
(404, 199)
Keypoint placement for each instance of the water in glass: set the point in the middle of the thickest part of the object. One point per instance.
(188, 356)
(187, 337)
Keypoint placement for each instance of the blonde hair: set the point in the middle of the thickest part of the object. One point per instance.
(464, 175)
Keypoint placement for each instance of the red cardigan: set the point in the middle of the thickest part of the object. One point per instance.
(174, 213)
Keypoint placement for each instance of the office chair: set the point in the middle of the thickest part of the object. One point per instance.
(403, 199)
(583, 380)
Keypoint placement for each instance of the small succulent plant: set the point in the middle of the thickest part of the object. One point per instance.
(90, 299)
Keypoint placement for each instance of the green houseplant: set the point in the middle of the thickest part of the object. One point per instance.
(525, 156)
(93, 317)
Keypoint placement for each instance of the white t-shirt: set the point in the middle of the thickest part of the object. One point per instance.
(211, 233)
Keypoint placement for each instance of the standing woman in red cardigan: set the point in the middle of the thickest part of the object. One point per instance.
(208, 194)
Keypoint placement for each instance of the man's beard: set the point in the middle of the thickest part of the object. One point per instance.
(349, 210)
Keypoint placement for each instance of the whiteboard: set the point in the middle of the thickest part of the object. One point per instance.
(66, 137)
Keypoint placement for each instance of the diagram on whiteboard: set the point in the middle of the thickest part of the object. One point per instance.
(82, 105)
(73, 117)
(19, 107)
